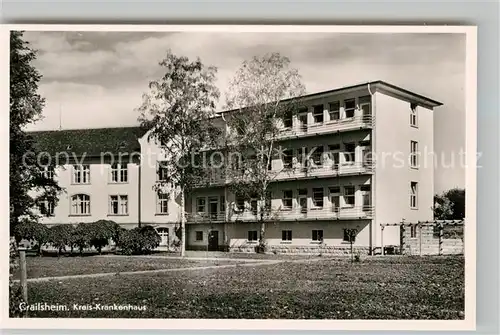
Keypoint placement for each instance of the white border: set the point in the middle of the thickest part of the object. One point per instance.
(470, 237)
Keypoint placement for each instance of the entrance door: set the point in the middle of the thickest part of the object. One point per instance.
(302, 200)
(213, 240)
(302, 122)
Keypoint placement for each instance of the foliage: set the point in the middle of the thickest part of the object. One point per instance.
(61, 235)
(139, 240)
(101, 232)
(263, 91)
(450, 205)
(15, 293)
(27, 183)
(81, 236)
(32, 231)
(177, 111)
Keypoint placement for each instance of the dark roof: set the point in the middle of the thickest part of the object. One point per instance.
(376, 84)
(91, 142)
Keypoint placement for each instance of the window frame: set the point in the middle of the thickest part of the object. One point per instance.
(78, 204)
(252, 236)
(46, 208)
(414, 115)
(197, 236)
(162, 200)
(353, 109)
(286, 235)
(413, 195)
(121, 202)
(317, 235)
(285, 198)
(334, 112)
(81, 174)
(160, 175)
(120, 171)
(316, 114)
(414, 153)
(348, 196)
(198, 205)
(315, 191)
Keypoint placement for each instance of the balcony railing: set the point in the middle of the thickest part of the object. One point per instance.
(295, 214)
(326, 170)
(355, 122)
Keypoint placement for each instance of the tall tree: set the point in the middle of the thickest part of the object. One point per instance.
(28, 184)
(263, 92)
(177, 110)
(450, 205)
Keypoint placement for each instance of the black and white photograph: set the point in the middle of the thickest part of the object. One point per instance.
(238, 173)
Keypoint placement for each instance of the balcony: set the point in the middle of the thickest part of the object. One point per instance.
(326, 170)
(351, 123)
(296, 214)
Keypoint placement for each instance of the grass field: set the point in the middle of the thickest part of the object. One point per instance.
(375, 288)
(66, 266)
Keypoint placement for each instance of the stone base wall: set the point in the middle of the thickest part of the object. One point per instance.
(429, 240)
(307, 250)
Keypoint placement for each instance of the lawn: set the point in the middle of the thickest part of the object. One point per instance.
(66, 266)
(375, 288)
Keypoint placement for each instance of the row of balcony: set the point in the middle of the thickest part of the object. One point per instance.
(217, 177)
(284, 214)
(345, 124)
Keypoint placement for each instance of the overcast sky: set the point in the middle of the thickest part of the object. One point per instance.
(96, 78)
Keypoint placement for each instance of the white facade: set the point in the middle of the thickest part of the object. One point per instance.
(313, 206)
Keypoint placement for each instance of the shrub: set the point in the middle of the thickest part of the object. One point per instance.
(61, 236)
(32, 231)
(15, 293)
(81, 236)
(101, 232)
(138, 240)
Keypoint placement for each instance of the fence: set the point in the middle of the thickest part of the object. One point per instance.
(439, 237)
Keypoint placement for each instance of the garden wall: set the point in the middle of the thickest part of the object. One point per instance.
(432, 239)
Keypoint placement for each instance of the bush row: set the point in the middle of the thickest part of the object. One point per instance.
(82, 236)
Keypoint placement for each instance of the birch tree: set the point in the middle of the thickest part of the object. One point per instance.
(263, 91)
(177, 111)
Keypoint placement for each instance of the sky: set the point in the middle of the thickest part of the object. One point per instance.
(96, 79)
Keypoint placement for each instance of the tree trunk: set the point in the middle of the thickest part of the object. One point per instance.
(183, 225)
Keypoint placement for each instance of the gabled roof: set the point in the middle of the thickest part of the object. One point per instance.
(91, 142)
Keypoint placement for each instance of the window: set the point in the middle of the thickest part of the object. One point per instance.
(350, 235)
(318, 114)
(317, 235)
(335, 198)
(48, 172)
(365, 105)
(119, 173)
(200, 205)
(252, 235)
(349, 152)
(46, 207)
(302, 199)
(349, 107)
(162, 203)
(287, 158)
(287, 199)
(199, 236)
(414, 154)
(253, 204)
(334, 110)
(81, 174)
(317, 156)
(349, 199)
(222, 204)
(317, 197)
(286, 235)
(302, 118)
(287, 120)
(118, 205)
(334, 154)
(240, 203)
(80, 204)
(413, 115)
(162, 171)
(413, 194)
(413, 231)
